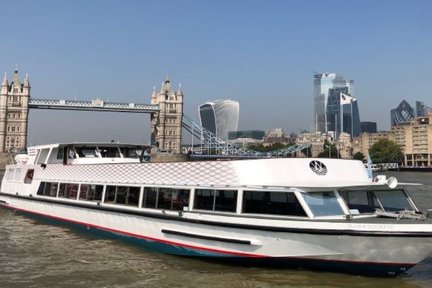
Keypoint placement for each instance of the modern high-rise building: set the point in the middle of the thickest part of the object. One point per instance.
(342, 117)
(220, 117)
(403, 113)
(369, 127)
(323, 82)
(422, 109)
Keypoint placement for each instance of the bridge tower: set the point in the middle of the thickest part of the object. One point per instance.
(167, 122)
(14, 107)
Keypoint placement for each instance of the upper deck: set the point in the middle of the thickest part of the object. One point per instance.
(82, 153)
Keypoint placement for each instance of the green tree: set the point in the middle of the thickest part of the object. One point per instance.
(359, 156)
(330, 151)
(386, 151)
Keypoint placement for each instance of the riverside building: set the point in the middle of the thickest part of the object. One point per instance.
(415, 139)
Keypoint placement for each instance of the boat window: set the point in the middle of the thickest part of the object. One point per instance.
(216, 200)
(267, 202)
(362, 201)
(149, 197)
(10, 174)
(323, 203)
(42, 156)
(129, 152)
(68, 190)
(165, 198)
(367, 201)
(109, 152)
(86, 152)
(122, 195)
(17, 174)
(47, 189)
(393, 200)
(172, 199)
(60, 153)
(91, 192)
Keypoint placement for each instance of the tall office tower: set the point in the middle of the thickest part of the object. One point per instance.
(403, 113)
(422, 109)
(342, 117)
(220, 116)
(14, 98)
(323, 82)
(367, 126)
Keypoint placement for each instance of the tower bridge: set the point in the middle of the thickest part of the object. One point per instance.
(94, 105)
(165, 109)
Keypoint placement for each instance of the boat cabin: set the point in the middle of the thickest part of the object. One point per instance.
(83, 153)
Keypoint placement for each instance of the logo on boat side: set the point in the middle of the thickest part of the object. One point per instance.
(318, 167)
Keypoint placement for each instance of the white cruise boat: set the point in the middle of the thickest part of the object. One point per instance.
(292, 212)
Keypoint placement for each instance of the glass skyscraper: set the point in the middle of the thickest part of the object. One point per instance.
(342, 118)
(403, 113)
(220, 117)
(323, 82)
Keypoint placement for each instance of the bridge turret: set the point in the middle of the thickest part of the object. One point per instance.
(4, 85)
(167, 123)
(14, 113)
(26, 86)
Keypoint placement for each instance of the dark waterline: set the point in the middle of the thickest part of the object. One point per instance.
(36, 254)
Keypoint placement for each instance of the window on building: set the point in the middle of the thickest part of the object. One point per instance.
(268, 202)
(216, 200)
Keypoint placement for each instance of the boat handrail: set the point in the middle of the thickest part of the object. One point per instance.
(409, 214)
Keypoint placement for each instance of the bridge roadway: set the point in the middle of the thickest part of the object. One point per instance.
(93, 105)
(207, 140)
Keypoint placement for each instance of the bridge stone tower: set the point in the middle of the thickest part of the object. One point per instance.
(167, 123)
(14, 99)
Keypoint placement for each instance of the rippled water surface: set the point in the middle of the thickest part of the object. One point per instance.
(34, 253)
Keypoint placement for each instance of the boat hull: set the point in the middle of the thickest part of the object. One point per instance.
(371, 255)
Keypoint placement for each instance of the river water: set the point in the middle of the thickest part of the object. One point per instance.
(36, 254)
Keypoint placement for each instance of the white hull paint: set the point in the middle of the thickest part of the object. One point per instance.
(360, 243)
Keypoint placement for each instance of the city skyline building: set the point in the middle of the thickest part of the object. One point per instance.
(402, 113)
(220, 116)
(323, 82)
(368, 126)
(342, 115)
(14, 98)
(422, 109)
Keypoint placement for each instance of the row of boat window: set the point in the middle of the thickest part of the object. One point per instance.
(257, 202)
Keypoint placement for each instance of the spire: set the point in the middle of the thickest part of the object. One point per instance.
(16, 78)
(26, 81)
(179, 91)
(5, 81)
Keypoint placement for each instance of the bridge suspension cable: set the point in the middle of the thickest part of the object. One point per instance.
(212, 146)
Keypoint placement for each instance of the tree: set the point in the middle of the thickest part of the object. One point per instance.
(330, 151)
(386, 151)
(359, 156)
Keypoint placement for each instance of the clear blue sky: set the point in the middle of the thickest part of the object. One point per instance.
(261, 53)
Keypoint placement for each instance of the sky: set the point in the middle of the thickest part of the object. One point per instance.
(260, 53)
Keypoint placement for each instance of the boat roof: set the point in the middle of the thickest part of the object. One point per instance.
(105, 144)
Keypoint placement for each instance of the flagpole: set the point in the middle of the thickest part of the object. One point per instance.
(352, 120)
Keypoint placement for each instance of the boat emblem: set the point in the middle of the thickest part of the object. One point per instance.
(318, 167)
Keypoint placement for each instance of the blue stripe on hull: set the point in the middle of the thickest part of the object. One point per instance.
(357, 268)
